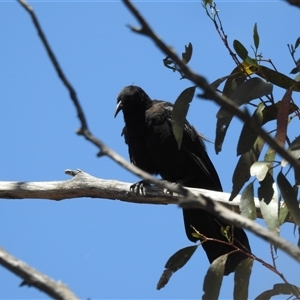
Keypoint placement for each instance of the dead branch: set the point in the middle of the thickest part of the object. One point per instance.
(32, 277)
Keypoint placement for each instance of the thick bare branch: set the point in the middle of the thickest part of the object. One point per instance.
(85, 185)
(32, 277)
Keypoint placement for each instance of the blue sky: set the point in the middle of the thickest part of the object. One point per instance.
(102, 248)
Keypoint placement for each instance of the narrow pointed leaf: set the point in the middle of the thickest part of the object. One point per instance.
(283, 213)
(242, 170)
(237, 77)
(247, 204)
(279, 289)
(242, 279)
(294, 150)
(270, 112)
(174, 263)
(255, 36)
(247, 91)
(187, 54)
(282, 117)
(248, 135)
(251, 89)
(297, 43)
(269, 157)
(164, 279)
(222, 126)
(269, 204)
(240, 49)
(180, 258)
(213, 278)
(295, 70)
(289, 197)
(278, 79)
(218, 81)
(180, 109)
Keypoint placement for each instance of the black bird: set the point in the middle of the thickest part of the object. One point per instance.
(153, 148)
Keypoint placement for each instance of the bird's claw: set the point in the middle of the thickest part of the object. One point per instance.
(139, 187)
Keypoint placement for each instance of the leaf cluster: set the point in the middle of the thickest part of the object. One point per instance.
(250, 84)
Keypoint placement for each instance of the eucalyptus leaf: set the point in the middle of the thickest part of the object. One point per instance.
(297, 43)
(180, 109)
(187, 54)
(247, 204)
(248, 135)
(213, 278)
(289, 196)
(242, 170)
(294, 150)
(278, 78)
(251, 89)
(279, 289)
(240, 49)
(242, 279)
(269, 203)
(236, 78)
(180, 258)
(255, 36)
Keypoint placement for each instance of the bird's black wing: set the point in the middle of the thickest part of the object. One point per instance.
(193, 145)
(206, 177)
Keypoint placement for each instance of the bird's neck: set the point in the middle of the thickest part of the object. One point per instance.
(135, 117)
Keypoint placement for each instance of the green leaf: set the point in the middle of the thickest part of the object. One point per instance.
(255, 36)
(206, 2)
(174, 263)
(242, 278)
(289, 197)
(283, 213)
(278, 79)
(187, 54)
(294, 150)
(270, 111)
(218, 81)
(247, 204)
(279, 289)
(237, 77)
(297, 43)
(221, 129)
(213, 278)
(282, 117)
(240, 49)
(248, 135)
(247, 91)
(180, 258)
(242, 170)
(295, 70)
(269, 157)
(251, 89)
(179, 112)
(269, 203)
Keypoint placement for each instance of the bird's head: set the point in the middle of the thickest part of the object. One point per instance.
(132, 98)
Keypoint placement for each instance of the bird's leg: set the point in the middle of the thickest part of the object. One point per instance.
(167, 191)
(139, 187)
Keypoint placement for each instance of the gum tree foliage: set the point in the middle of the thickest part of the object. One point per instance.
(259, 170)
(249, 85)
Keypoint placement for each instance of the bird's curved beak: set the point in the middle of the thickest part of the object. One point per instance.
(118, 108)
